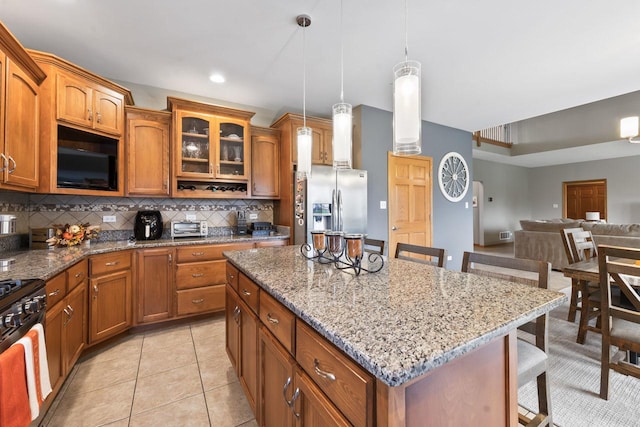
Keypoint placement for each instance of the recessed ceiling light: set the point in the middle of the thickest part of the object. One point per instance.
(216, 78)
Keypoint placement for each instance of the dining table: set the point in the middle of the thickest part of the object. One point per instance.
(589, 271)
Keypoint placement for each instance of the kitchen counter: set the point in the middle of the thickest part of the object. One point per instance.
(46, 263)
(402, 322)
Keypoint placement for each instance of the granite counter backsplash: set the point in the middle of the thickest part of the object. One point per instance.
(401, 322)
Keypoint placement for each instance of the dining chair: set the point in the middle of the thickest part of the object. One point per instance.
(575, 297)
(619, 267)
(584, 247)
(423, 254)
(374, 246)
(532, 356)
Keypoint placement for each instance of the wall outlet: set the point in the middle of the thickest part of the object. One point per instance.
(108, 218)
(190, 217)
(383, 204)
(253, 216)
(449, 258)
(555, 206)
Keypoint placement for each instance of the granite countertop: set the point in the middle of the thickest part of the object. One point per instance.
(46, 263)
(401, 322)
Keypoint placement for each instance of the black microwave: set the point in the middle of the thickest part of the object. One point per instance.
(87, 163)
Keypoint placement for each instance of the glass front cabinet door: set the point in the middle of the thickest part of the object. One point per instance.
(232, 149)
(194, 155)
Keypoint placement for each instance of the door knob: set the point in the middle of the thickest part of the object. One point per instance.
(394, 228)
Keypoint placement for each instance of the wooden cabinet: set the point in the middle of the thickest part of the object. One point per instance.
(313, 408)
(20, 99)
(232, 325)
(276, 376)
(271, 243)
(265, 167)
(110, 295)
(85, 104)
(66, 321)
(154, 284)
(248, 367)
(211, 150)
(321, 154)
(80, 111)
(147, 152)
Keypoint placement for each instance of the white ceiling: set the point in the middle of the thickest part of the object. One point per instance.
(483, 62)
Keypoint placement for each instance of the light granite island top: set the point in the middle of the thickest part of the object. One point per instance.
(402, 322)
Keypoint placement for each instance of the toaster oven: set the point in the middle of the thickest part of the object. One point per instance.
(189, 229)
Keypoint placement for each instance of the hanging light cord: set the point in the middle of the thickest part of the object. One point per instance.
(406, 30)
(304, 77)
(341, 58)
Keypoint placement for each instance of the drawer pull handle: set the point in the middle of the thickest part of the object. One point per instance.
(272, 319)
(323, 374)
(80, 274)
(112, 263)
(54, 293)
(197, 275)
(197, 253)
(197, 301)
(231, 277)
(246, 293)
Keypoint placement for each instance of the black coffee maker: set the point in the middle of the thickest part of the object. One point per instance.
(148, 225)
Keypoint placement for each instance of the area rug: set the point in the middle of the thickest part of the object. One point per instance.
(575, 381)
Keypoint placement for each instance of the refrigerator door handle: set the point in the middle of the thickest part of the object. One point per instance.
(334, 210)
(340, 210)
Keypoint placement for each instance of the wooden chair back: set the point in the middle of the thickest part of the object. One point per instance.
(564, 236)
(582, 245)
(423, 254)
(619, 267)
(374, 246)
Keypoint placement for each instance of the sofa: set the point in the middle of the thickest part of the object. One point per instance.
(541, 239)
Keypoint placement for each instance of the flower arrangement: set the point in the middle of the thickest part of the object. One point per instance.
(71, 235)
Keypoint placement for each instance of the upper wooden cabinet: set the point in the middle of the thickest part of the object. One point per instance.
(265, 167)
(20, 101)
(84, 112)
(89, 105)
(147, 152)
(211, 150)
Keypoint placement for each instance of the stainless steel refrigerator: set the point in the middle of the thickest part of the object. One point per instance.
(331, 200)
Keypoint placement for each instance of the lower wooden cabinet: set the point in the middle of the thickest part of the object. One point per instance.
(110, 304)
(66, 322)
(275, 381)
(312, 407)
(154, 284)
(232, 325)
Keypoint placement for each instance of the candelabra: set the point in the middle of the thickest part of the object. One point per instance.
(344, 251)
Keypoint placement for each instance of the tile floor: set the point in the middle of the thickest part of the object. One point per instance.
(178, 376)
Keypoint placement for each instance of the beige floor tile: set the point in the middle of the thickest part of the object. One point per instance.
(251, 423)
(94, 376)
(208, 329)
(164, 359)
(94, 408)
(191, 412)
(211, 349)
(173, 337)
(129, 346)
(216, 372)
(166, 387)
(227, 406)
(120, 423)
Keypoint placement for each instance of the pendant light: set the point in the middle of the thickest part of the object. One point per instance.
(407, 119)
(304, 134)
(342, 119)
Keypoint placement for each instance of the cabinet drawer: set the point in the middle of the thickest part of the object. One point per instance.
(208, 252)
(232, 276)
(249, 292)
(199, 274)
(77, 274)
(200, 300)
(56, 289)
(279, 320)
(346, 384)
(108, 263)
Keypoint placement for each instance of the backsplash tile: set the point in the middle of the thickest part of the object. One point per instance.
(44, 210)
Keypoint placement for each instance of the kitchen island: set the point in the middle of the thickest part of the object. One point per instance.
(438, 345)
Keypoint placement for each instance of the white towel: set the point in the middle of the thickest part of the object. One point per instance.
(45, 382)
(31, 376)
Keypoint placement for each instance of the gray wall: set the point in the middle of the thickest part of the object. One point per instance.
(623, 181)
(508, 188)
(452, 222)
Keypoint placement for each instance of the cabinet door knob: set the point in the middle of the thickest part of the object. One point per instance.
(89, 115)
(95, 289)
(394, 228)
(99, 118)
(14, 165)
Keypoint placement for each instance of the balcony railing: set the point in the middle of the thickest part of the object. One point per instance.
(497, 135)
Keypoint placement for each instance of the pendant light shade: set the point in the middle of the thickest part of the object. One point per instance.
(407, 119)
(629, 128)
(342, 135)
(304, 145)
(304, 138)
